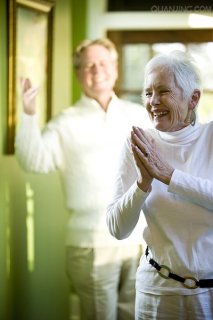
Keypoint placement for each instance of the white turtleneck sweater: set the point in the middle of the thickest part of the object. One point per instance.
(179, 216)
(83, 143)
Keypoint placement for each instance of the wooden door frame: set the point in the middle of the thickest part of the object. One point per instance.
(123, 37)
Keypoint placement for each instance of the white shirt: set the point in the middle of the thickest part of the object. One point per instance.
(179, 217)
(83, 143)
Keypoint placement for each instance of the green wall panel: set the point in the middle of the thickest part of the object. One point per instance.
(79, 10)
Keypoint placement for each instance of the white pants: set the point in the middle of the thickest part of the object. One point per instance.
(164, 307)
(104, 280)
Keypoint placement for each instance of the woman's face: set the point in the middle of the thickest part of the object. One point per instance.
(165, 101)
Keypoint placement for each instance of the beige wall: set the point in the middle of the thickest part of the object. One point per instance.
(161, 19)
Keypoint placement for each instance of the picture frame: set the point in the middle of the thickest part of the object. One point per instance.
(30, 43)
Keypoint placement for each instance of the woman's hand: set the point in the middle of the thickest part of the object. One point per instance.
(29, 94)
(150, 162)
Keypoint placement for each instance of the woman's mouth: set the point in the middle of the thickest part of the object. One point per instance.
(158, 114)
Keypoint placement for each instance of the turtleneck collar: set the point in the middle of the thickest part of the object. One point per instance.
(185, 135)
(90, 101)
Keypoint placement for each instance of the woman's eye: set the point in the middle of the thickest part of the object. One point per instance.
(148, 94)
(164, 91)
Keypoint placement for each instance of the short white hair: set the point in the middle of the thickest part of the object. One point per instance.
(182, 66)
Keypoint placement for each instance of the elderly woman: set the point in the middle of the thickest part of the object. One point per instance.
(167, 172)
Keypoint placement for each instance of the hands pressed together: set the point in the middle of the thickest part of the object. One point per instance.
(29, 94)
(150, 162)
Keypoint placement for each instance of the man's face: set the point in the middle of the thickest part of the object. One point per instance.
(98, 72)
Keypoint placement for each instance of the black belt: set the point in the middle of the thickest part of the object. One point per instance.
(188, 281)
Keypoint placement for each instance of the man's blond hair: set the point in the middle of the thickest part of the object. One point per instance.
(108, 44)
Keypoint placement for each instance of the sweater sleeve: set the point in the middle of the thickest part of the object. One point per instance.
(127, 200)
(35, 150)
(194, 189)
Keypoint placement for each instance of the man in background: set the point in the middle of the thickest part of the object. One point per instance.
(82, 142)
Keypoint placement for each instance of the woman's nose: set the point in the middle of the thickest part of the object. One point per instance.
(155, 99)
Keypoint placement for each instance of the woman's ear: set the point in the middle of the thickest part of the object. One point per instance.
(195, 97)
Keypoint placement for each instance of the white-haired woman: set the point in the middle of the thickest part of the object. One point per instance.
(166, 173)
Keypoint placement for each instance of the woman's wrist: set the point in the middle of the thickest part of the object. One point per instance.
(144, 185)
